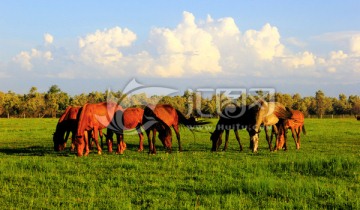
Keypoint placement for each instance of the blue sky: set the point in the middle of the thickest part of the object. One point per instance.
(83, 46)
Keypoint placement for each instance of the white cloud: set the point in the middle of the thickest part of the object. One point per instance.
(48, 38)
(26, 59)
(103, 47)
(265, 43)
(355, 44)
(305, 59)
(185, 50)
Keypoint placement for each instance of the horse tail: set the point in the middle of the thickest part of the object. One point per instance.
(189, 122)
(303, 129)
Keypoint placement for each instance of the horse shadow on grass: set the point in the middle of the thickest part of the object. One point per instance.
(27, 151)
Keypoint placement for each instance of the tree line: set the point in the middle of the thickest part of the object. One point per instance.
(53, 102)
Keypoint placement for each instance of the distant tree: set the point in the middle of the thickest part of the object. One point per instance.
(320, 103)
(341, 105)
(56, 100)
(11, 104)
(34, 103)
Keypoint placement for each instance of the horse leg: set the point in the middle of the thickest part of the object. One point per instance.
(148, 132)
(109, 140)
(96, 139)
(141, 139)
(238, 138)
(86, 140)
(101, 139)
(293, 133)
(153, 142)
(268, 137)
(297, 132)
(219, 141)
(226, 139)
(176, 129)
(121, 146)
(274, 131)
(73, 135)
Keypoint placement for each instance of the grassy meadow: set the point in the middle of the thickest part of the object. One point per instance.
(323, 174)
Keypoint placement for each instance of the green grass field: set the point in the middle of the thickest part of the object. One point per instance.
(324, 174)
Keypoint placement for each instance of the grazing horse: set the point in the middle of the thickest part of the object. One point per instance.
(129, 119)
(296, 125)
(160, 118)
(267, 114)
(237, 117)
(66, 124)
(95, 117)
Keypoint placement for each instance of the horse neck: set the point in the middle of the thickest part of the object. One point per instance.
(82, 120)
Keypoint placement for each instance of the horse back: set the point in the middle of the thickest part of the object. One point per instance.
(167, 114)
(132, 117)
(297, 119)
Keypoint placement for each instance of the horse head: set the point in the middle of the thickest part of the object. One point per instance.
(59, 141)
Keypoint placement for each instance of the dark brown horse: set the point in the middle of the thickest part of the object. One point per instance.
(267, 114)
(357, 117)
(296, 125)
(67, 124)
(128, 119)
(160, 118)
(95, 117)
(232, 118)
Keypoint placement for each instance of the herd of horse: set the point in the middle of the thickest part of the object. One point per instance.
(87, 122)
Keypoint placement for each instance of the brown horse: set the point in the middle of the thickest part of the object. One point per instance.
(235, 118)
(129, 119)
(267, 114)
(160, 118)
(357, 117)
(296, 125)
(67, 124)
(95, 117)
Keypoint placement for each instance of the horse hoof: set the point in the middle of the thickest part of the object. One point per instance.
(99, 152)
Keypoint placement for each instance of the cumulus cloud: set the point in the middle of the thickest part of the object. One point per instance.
(104, 47)
(305, 59)
(25, 59)
(185, 50)
(265, 43)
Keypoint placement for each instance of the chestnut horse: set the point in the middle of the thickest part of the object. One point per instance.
(267, 114)
(95, 117)
(235, 118)
(160, 118)
(129, 119)
(296, 125)
(67, 124)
